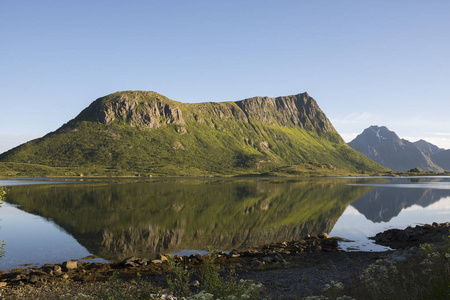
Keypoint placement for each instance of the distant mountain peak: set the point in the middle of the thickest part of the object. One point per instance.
(377, 130)
(388, 149)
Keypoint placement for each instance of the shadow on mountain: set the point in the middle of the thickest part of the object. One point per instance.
(118, 220)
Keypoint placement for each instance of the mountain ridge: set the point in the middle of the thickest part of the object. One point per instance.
(147, 133)
(427, 147)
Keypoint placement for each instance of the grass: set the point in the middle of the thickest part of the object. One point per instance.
(213, 285)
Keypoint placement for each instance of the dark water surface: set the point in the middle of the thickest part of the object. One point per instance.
(50, 222)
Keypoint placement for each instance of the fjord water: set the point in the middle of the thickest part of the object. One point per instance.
(50, 223)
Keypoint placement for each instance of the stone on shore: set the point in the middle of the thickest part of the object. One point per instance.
(70, 265)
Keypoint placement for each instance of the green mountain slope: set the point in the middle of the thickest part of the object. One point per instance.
(146, 133)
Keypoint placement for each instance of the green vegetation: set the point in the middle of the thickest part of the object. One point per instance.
(213, 285)
(143, 133)
(178, 277)
(425, 276)
(116, 289)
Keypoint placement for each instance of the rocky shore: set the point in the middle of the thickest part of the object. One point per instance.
(288, 269)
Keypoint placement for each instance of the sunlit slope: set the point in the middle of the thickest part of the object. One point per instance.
(145, 133)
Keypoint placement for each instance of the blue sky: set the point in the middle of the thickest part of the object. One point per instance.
(365, 62)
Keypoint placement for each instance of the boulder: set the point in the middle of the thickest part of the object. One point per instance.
(195, 283)
(70, 265)
(324, 235)
(161, 257)
(33, 279)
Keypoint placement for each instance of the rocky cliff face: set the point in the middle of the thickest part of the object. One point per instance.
(386, 148)
(149, 109)
(298, 110)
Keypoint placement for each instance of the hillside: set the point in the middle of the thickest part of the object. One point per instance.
(427, 148)
(386, 148)
(145, 133)
(442, 158)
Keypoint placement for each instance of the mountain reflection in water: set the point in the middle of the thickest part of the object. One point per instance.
(122, 219)
(118, 220)
(390, 198)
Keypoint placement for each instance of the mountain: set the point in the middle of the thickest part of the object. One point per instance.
(427, 148)
(386, 148)
(442, 159)
(145, 133)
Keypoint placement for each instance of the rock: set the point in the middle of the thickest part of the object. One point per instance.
(278, 257)
(142, 261)
(316, 248)
(330, 243)
(162, 257)
(256, 263)
(49, 271)
(65, 276)
(413, 250)
(38, 272)
(157, 261)
(285, 264)
(324, 235)
(195, 283)
(197, 256)
(26, 271)
(268, 259)
(398, 257)
(70, 265)
(33, 279)
(16, 278)
(3, 284)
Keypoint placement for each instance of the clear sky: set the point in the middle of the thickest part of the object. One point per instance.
(365, 62)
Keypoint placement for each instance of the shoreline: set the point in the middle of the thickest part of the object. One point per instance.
(277, 266)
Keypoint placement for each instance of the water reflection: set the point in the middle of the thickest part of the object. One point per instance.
(121, 219)
(114, 221)
(396, 203)
(390, 198)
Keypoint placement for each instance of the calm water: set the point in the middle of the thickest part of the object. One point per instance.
(49, 222)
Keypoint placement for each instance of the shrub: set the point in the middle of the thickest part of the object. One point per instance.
(178, 278)
(226, 287)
